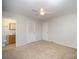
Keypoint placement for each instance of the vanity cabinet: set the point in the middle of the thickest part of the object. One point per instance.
(11, 39)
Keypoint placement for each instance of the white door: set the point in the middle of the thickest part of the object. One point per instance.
(45, 31)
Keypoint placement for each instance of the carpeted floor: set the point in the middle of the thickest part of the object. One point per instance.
(40, 50)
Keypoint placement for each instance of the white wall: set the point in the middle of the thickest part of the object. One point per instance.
(63, 30)
(27, 30)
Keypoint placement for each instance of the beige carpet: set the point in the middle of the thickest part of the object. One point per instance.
(40, 50)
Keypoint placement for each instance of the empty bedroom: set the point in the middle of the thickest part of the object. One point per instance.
(39, 29)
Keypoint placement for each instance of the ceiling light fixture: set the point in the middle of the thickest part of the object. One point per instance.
(42, 12)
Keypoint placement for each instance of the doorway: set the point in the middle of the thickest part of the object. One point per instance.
(8, 33)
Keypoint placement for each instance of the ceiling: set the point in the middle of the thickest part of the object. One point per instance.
(55, 7)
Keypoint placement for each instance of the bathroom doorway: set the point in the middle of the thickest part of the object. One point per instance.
(8, 33)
